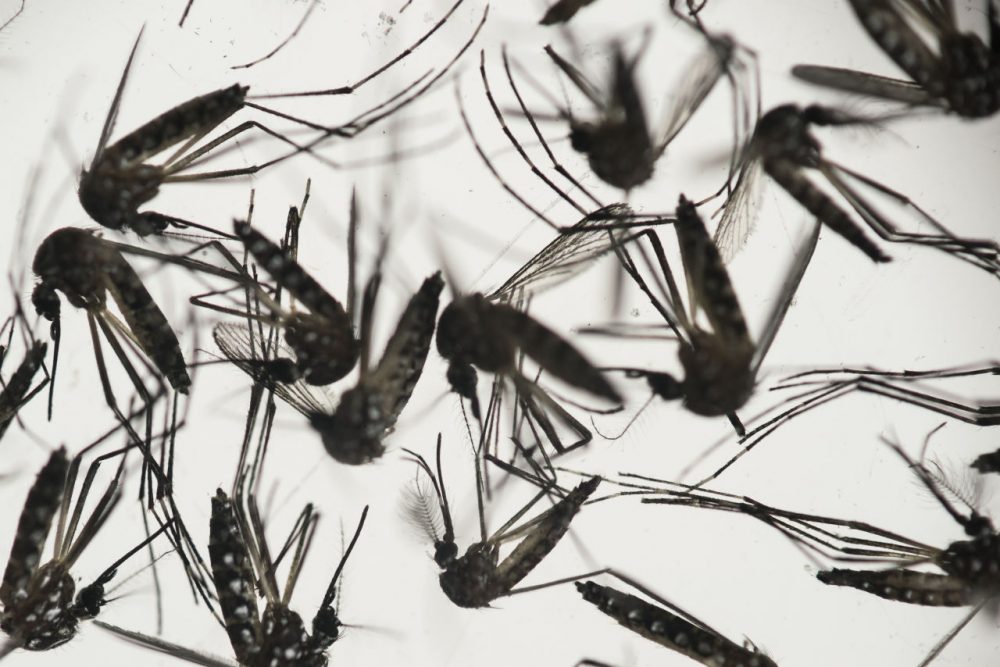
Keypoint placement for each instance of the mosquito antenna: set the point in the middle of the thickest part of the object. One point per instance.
(331, 590)
(309, 521)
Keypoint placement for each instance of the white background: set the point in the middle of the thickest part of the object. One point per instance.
(60, 63)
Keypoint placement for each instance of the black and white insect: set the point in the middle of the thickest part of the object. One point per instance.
(479, 577)
(41, 606)
(947, 68)
(668, 625)
(784, 148)
(17, 388)
(120, 178)
(721, 363)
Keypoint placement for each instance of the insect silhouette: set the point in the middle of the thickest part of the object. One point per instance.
(784, 148)
(955, 72)
(720, 365)
(621, 148)
(987, 463)
(120, 178)
(668, 625)
(969, 568)
(18, 389)
(40, 611)
(241, 562)
(888, 384)
(479, 577)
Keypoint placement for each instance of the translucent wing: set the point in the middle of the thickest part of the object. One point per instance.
(569, 253)
(739, 215)
(241, 346)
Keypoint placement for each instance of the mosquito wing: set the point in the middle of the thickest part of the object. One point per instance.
(699, 81)
(862, 83)
(568, 254)
(241, 346)
(739, 214)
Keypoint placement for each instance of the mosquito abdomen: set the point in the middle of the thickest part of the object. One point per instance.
(234, 580)
(670, 630)
(789, 176)
(923, 588)
(900, 43)
(545, 536)
(551, 351)
(33, 527)
(148, 324)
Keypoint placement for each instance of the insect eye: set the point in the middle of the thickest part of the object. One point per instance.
(445, 553)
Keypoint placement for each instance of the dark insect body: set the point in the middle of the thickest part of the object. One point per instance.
(241, 562)
(120, 179)
(367, 412)
(671, 627)
(987, 463)
(720, 365)
(958, 73)
(323, 339)
(40, 610)
(86, 269)
(970, 568)
(621, 148)
(478, 577)
(783, 146)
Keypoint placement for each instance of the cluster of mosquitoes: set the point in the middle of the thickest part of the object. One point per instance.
(294, 340)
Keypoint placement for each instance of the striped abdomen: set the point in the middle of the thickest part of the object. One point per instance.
(40, 508)
(900, 43)
(923, 588)
(543, 538)
(147, 322)
(670, 630)
(19, 384)
(789, 176)
(232, 573)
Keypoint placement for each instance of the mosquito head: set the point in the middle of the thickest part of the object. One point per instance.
(445, 553)
(46, 301)
(90, 599)
(978, 525)
(326, 628)
(581, 136)
(460, 328)
(665, 386)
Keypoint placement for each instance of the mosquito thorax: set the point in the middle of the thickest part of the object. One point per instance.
(978, 525)
(111, 194)
(353, 434)
(466, 333)
(325, 628)
(717, 376)
(285, 640)
(469, 581)
(972, 87)
(783, 133)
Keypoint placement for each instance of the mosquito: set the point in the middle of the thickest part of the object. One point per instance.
(242, 563)
(948, 69)
(888, 384)
(120, 178)
(86, 269)
(562, 11)
(479, 577)
(720, 365)
(969, 568)
(669, 625)
(785, 149)
(241, 560)
(620, 147)
(39, 608)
